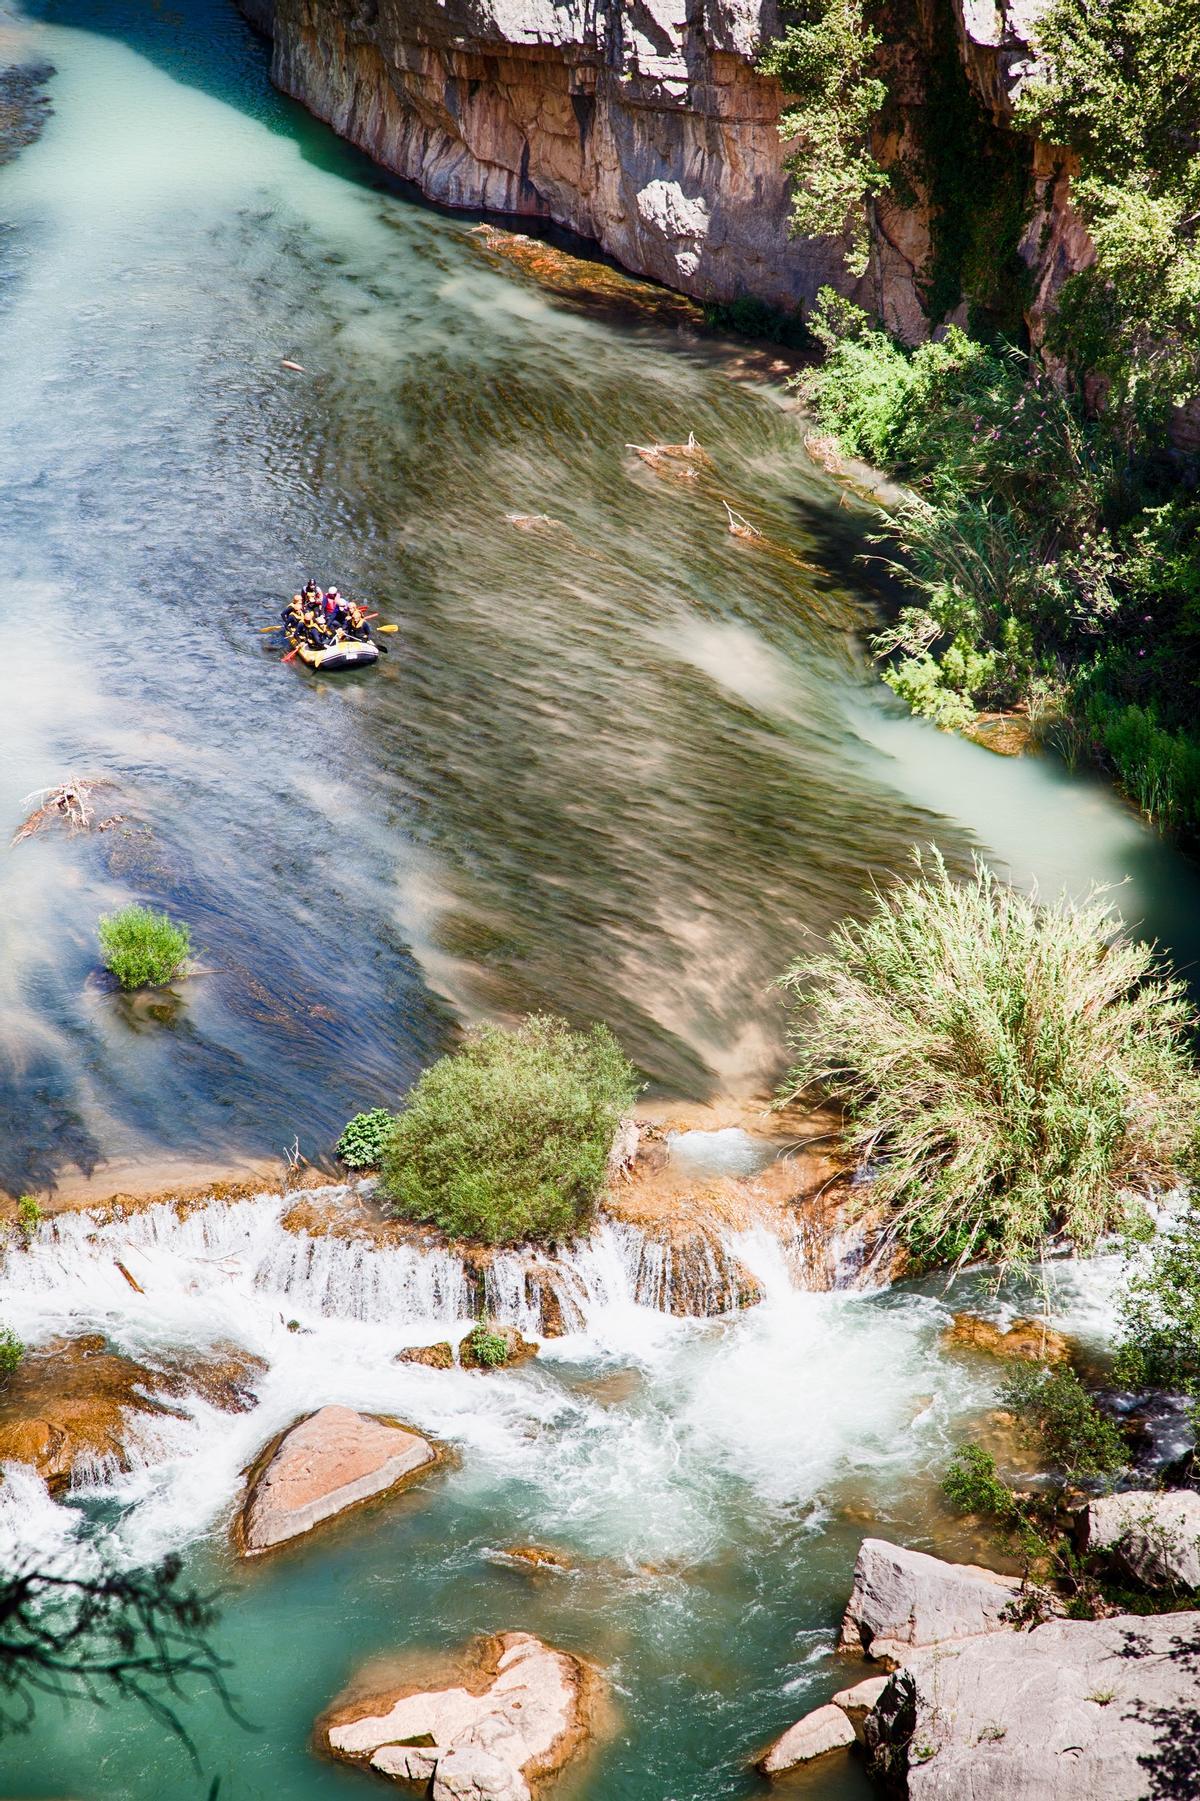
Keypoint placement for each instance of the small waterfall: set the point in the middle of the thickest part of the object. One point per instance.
(211, 1259)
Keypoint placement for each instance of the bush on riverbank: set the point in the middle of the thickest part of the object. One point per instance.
(362, 1143)
(1053, 537)
(1160, 1310)
(143, 949)
(1012, 1073)
(1075, 1444)
(508, 1138)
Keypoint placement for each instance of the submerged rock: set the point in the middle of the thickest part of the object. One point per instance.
(536, 1557)
(903, 1600)
(1151, 1534)
(514, 1711)
(1030, 1339)
(1072, 1711)
(825, 1729)
(75, 1403)
(332, 1460)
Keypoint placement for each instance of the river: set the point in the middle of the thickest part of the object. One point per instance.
(616, 764)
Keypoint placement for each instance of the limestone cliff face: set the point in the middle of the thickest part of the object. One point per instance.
(639, 123)
(645, 125)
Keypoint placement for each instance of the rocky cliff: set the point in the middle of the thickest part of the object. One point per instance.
(646, 126)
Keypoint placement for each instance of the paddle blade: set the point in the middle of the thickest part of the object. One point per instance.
(288, 658)
(387, 628)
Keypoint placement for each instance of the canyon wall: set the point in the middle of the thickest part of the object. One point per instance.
(645, 126)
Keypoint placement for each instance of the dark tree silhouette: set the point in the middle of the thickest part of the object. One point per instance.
(135, 1635)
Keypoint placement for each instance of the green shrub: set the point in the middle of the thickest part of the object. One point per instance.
(1012, 1074)
(487, 1347)
(1159, 769)
(11, 1352)
(972, 1484)
(143, 949)
(1160, 1310)
(362, 1143)
(508, 1138)
(1076, 1438)
(860, 391)
(29, 1217)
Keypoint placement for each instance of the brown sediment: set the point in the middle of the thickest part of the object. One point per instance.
(1029, 1339)
(116, 1190)
(1007, 734)
(77, 1397)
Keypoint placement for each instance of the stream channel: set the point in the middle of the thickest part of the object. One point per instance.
(616, 764)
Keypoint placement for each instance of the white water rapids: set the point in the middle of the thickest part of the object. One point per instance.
(799, 1397)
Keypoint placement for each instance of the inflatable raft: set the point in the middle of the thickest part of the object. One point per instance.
(347, 653)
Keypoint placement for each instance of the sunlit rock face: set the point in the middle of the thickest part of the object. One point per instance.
(646, 126)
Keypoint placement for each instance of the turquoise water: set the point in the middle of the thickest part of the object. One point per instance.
(614, 767)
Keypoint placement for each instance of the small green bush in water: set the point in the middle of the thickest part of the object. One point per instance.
(361, 1144)
(1012, 1073)
(11, 1352)
(487, 1347)
(1075, 1437)
(143, 949)
(972, 1484)
(508, 1138)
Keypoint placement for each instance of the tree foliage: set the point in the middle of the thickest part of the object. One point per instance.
(1012, 1073)
(1160, 1309)
(1121, 86)
(508, 1138)
(824, 58)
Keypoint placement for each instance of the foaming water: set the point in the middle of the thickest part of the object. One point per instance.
(708, 1478)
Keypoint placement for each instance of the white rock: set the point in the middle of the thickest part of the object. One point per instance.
(330, 1461)
(862, 1697)
(468, 1773)
(902, 1600)
(1076, 1710)
(483, 1739)
(825, 1729)
(1154, 1534)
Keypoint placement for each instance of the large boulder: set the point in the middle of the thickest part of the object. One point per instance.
(1072, 1711)
(815, 1735)
(903, 1600)
(1152, 1535)
(330, 1461)
(513, 1712)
